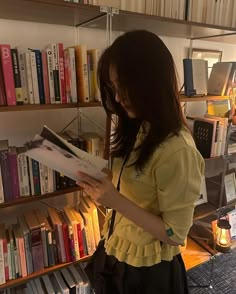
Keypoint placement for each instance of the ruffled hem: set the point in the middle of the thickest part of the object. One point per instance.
(139, 255)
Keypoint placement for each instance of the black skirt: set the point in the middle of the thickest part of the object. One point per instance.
(114, 277)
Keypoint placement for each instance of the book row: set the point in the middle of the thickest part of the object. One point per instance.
(166, 8)
(22, 176)
(54, 75)
(210, 133)
(68, 280)
(221, 13)
(38, 241)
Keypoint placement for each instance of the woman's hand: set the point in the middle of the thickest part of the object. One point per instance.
(102, 190)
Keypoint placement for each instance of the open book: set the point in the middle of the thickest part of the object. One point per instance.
(55, 152)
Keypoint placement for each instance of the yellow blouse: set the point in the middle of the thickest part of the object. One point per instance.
(168, 186)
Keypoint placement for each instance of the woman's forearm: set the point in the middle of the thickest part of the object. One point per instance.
(151, 223)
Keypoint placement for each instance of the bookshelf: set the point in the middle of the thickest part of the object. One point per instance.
(33, 107)
(202, 98)
(19, 281)
(76, 15)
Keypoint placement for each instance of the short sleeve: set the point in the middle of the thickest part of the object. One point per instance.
(178, 185)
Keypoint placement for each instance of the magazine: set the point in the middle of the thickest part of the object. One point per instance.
(55, 152)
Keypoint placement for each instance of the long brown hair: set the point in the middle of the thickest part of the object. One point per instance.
(147, 77)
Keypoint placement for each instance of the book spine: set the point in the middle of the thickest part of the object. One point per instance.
(36, 177)
(6, 61)
(2, 267)
(22, 257)
(39, 67)
(45, 77)
(55, 67)
(28, 255)
(9, 261)
(73, 80)
(67, 76)
(23, 76)
(50, 75)
(23, 174)
(34, 77)
(29, 78)
(44, 245)
(6, 176)
(60, 51)
(50, 246)
(12, 158)
(82, 73)
(3, 98)
(16, 74)
(37, 250)
(1, 187)
(6, 265)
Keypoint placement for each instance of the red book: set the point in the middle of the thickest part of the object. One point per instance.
(45, 77)
(60, 50)
(6, 60)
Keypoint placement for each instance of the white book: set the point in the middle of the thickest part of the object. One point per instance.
(218, 79)
(50, 75)
(182, 5)
(29, 78)
(217, 12)
(210, 11)
(175, 9)
(22, 166)
(227, 20)
(34, 77)
(140, 6)
(232, 221)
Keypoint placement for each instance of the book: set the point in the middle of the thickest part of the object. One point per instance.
(56, 153)
(195, 77)
(218, 79)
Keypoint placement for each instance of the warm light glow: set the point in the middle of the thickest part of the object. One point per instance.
(224, 238)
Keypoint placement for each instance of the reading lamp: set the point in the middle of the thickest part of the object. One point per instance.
(223, 238)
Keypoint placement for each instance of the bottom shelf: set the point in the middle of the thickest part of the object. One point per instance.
(19, 281)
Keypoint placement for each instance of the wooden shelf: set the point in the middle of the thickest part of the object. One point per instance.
(49, 11)
(19, 281)
(28, 199)
(202, 98)
(33, 107)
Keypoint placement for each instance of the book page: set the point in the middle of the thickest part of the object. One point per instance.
(61, 160)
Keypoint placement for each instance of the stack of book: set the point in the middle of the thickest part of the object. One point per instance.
(65, 281)
(53, 75)
(22, 176)
(38, 241)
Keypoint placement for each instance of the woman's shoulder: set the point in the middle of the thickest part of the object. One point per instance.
(177, 146)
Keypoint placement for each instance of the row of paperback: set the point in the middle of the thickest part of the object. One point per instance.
(54, 75)
(215, 12)
(210, 133)
(22, 176)
(38, 241)
(71, 280)
(166, 8)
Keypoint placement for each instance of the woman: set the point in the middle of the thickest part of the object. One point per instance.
(161, 174)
